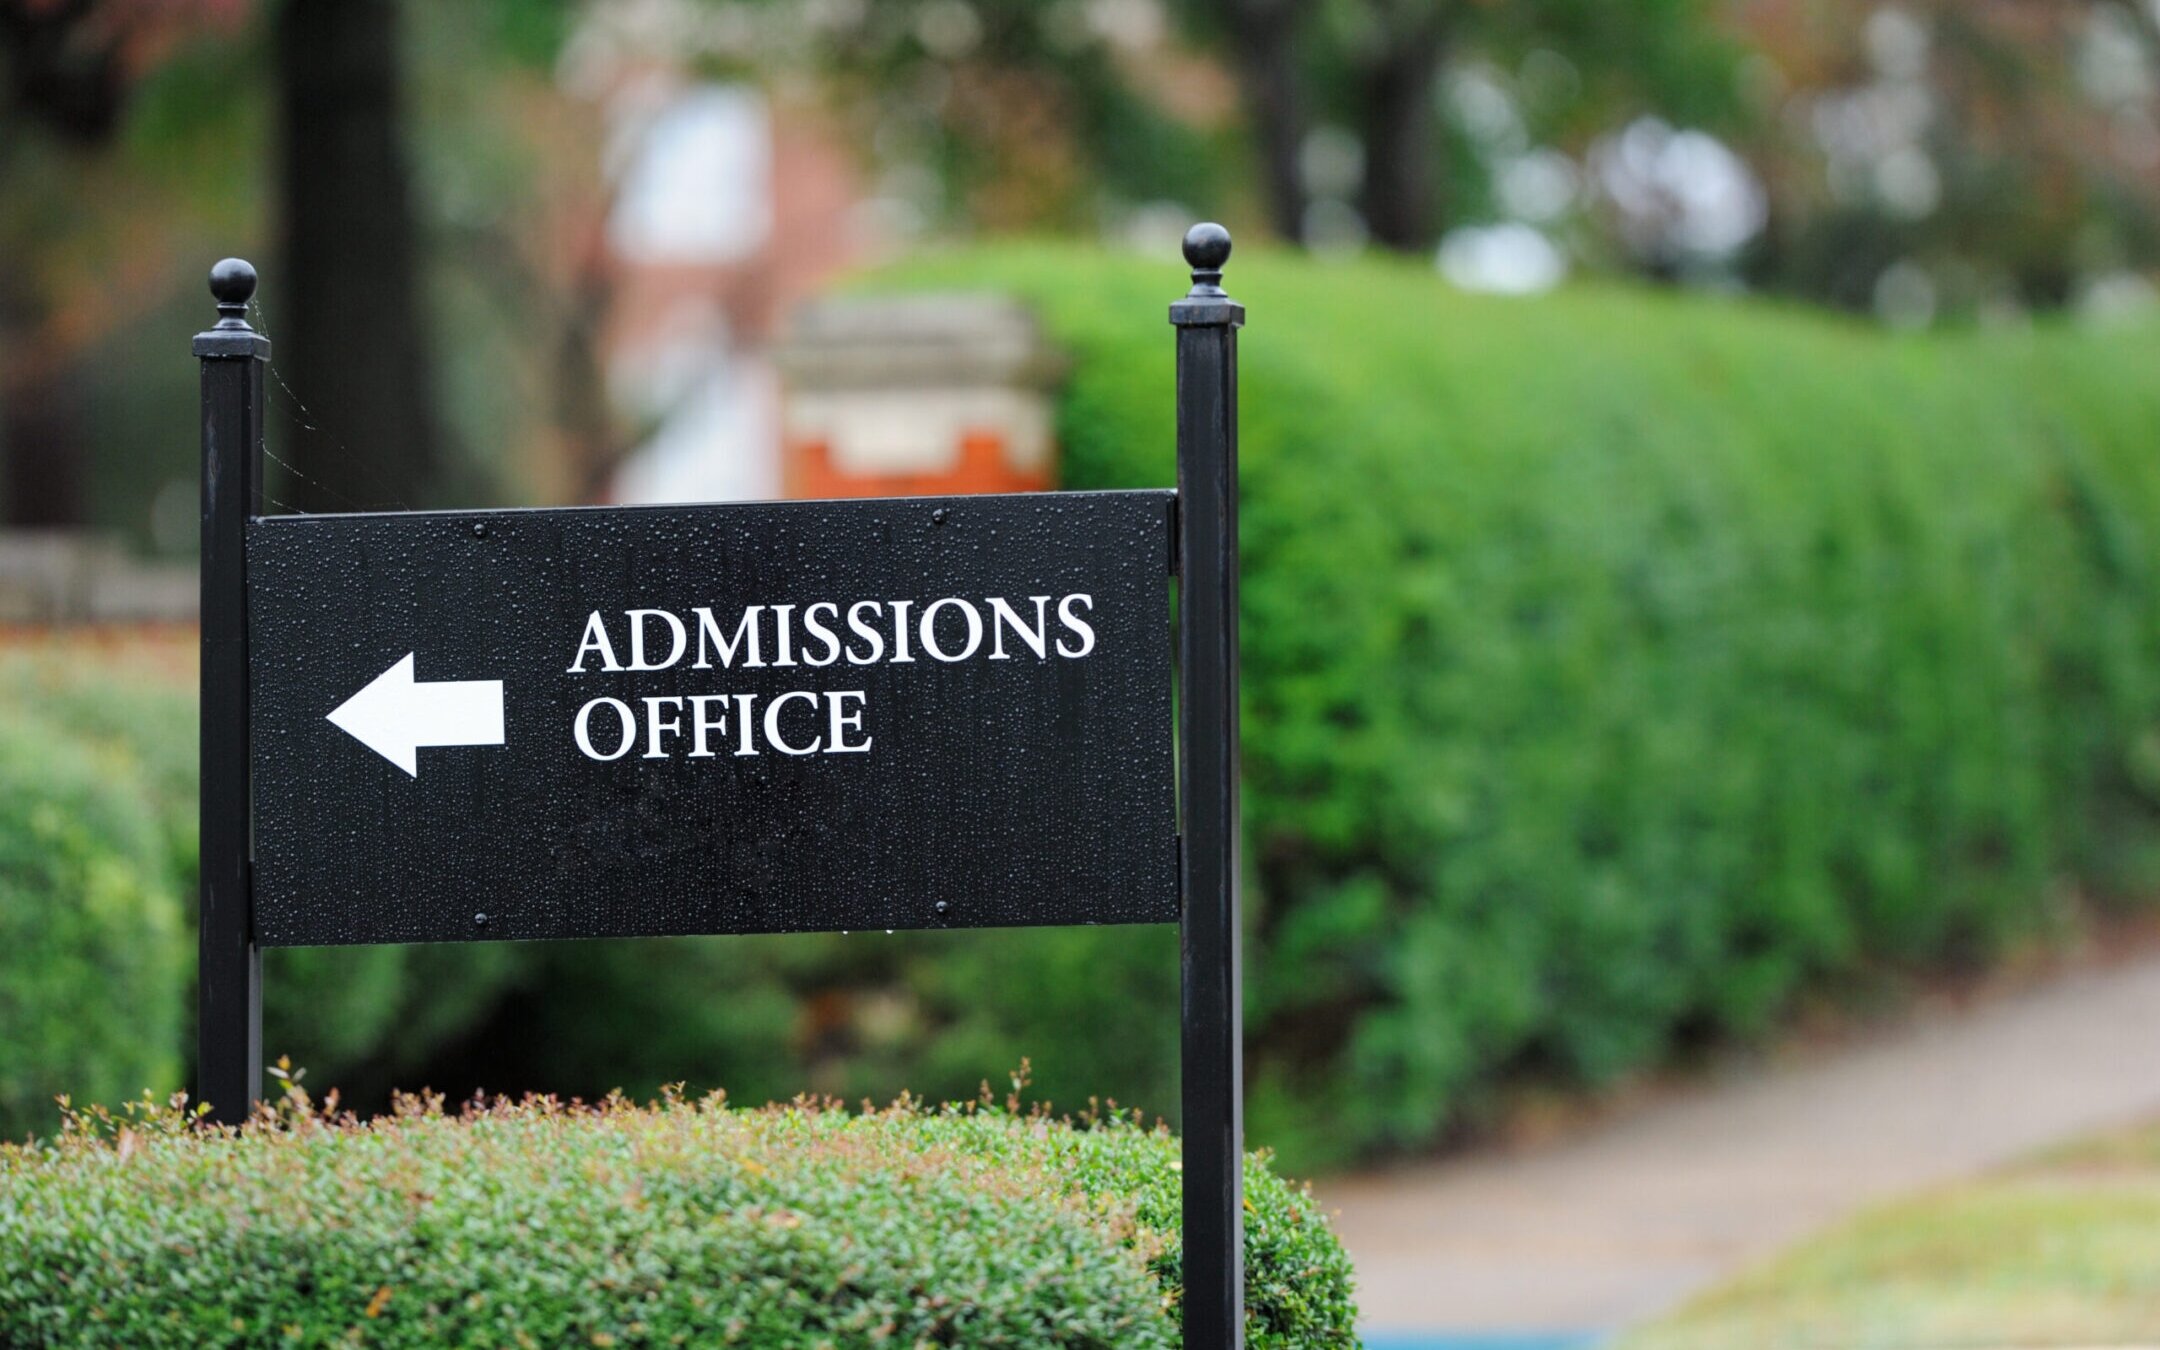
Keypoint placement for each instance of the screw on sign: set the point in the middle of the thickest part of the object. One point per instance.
(876, 713)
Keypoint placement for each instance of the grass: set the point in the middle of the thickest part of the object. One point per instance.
(2063, 1249)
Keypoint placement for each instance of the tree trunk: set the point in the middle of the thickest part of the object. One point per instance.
(344, 310)
(1263, 40)
(41, 434)
(1401, 200)
(583, 410)
(64, 76)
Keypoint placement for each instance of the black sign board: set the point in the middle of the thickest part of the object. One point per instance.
(617, 722)
(786, 717)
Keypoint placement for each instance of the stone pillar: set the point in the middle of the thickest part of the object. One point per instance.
(916, 395)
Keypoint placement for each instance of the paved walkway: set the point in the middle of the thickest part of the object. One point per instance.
(1622, 1222)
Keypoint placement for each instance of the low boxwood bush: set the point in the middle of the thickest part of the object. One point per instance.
(93, 954)
(1620, 667)
(680, 1223)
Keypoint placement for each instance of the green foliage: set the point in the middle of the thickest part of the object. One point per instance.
(141, 727)
(128, 737)
(1619, 667)
(856, 1015)
(1099, 1003)
(96, 955)
(590, 1017)
(541, 1225)
(1037, 120)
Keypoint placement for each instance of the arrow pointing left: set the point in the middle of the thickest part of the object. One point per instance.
(394, 716)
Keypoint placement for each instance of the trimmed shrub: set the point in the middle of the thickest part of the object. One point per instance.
(95, 955)
(1619, 666)
(681, 1223)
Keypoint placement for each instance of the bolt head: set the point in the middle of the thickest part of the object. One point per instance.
(232, 281)
(1207, 246)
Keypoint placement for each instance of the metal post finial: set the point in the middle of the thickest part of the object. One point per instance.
(1207, 248)
(232, 281)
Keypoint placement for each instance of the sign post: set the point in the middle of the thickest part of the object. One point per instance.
(1212, 1066)
(228, 991)
(770, 717)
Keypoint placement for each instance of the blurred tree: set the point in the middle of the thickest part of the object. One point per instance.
(1061, 113)
(134, 144)
(65, 66)
(1006, 114)
(68, 77)
(1958, 157)
(516, 157)
(1377, 66)
(1262, 37)
(40, 433)
(126, 140)
(353, 338)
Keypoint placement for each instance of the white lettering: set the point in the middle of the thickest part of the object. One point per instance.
(929, 629)
(595, 640)
(772, 722)
(866, 633)
(899, 635)
(1077, 624)
(676, 639)
(584, 728)
(844, 722)
(702, 721)
(822, 633)
(992, 626)
(746, 635)
(743, 724)
(654, 726)
(1002, 616)
(785, 634)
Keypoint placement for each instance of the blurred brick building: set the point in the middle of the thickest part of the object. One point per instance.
(730, 220)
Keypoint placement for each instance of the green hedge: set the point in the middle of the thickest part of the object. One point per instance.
(90, 930)
(1620, 669)
(1619, 666)
(101, 756)
(682, 1223)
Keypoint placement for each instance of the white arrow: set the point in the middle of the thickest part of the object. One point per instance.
(394, 717)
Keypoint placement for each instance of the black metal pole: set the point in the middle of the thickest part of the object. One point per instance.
(228, 995)
(1213, 1054)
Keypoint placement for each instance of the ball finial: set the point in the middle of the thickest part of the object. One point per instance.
(1207, 305)
(1207, 247)
(232, 281)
